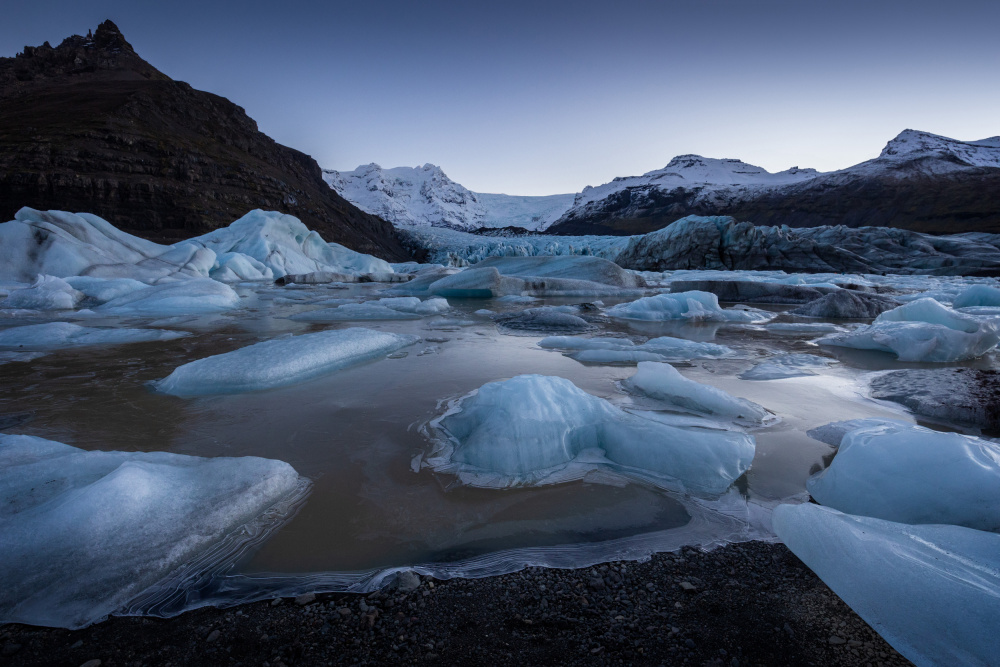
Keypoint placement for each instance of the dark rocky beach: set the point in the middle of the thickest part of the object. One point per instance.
(742, 604)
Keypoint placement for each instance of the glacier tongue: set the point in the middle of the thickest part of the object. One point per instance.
(932, 591)
(536, 429)
(83, 532)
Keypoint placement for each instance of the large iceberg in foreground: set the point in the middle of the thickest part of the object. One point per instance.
(922, 330)
(910, 474)
(83, 532)
(280, 362)
(664, 383)
(55, 335)
(933, 592)
(536, 429)
(691, 306)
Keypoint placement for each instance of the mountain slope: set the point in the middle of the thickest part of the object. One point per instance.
(426, 196)
(920, 181)
(90, 126)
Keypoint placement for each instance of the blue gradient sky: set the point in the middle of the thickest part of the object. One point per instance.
(547, 97)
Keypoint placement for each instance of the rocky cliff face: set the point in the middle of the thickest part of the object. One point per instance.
(90, 126)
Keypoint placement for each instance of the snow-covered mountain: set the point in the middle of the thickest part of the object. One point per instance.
(920, 181)
(426, 196)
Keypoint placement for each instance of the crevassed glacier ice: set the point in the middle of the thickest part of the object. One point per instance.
(787, 366)
(691, 306)
(933, 592)
(923, 330)
(55, 335)
(664, 383)
(536, 429)
(283, 244)
(910, 474)
(83, 532)
(390, 308)
(46, 293)
(280, 362)
(187, 297)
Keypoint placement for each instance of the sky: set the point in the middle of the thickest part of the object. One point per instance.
(535, 98)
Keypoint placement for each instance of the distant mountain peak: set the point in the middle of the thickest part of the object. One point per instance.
(914, 144)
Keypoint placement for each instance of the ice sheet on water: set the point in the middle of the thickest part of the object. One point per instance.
(83, 532)
(55, 335)
(46, 293)
(932, 591)
(910, 474)
(693, 306)
(390, 308)
(663, 382)
(187, 297)
(787, 366)
(281, 361)
(623, 351)
(536, 429)
(923, 330)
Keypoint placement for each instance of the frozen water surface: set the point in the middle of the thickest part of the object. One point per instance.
(363, 435)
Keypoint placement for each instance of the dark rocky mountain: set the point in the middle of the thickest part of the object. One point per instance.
(921, 182)
(90, 126)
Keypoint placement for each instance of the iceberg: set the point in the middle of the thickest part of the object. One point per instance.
(536, 429)
(753, 291)
(189, 297)
(663, 382)
(624, 351)
(923, 330)
(280, 362)
(965, 395)
(568, 267)
(691, 306)
(234, 267)
(55, 335)
(83, 532)
(978, 296)
(46, 293)
(910, 474)
(933, 592)
(284, 245)
(104, 289)
(787, 366)
(390, 308)
(545, 318)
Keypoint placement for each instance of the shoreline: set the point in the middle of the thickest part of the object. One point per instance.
(752, 603)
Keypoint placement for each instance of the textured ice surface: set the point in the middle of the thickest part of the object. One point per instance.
(46, 293)
(285, 245)
(847, 304)
(234, 267)
(280, 361)
(536, 429)
(910, 474)
(923, 330)
(966, 395)
(692, 306)
(787, 366)
(187, 297)
(82, 532)
(54, 335)
(104, 289)
(933, 592)
(664, 383)
(390, 308)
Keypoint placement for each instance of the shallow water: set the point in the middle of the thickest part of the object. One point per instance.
(360, 433)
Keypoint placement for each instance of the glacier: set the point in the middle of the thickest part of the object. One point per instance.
(663, 382)
(932, 591)
(536, 429)
(280, 361)
(83, 532)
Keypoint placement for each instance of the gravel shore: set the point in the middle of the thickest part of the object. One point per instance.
(743, 604)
